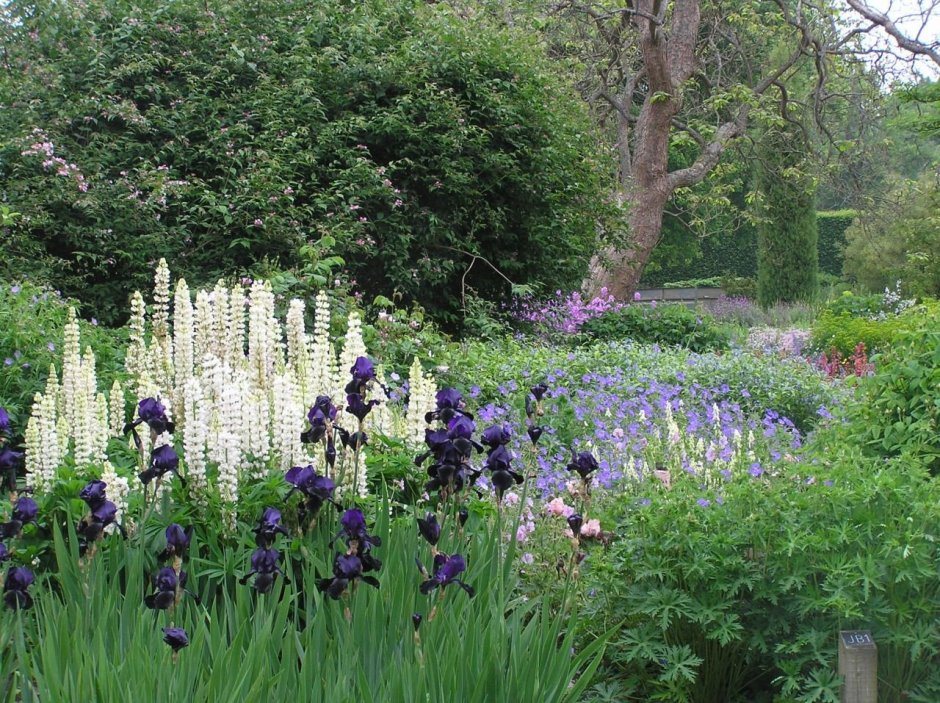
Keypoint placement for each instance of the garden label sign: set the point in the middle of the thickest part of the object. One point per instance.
(858, 664)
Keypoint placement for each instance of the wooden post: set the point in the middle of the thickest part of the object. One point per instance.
(858, 664)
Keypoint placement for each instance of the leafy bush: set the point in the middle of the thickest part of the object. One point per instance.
(898, 240)
(750, 594)
(659, 324)
(739, 287)
(32, 319)
(711, 282)
(856, 305)
(899, 409)
(843, 332)
(232, 140)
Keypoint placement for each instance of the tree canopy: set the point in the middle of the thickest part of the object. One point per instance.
(251, 135)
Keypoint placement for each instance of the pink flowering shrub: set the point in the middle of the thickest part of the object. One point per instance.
(562, 313)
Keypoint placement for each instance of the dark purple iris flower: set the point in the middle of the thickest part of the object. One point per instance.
(165, 585)
(496, 435)
(268, 527)
(347, 568)
(584, 464)
(575, 521)
(4, 553)
(16, 588)
(461, 427)
(358, 407)
(163, 460)
(354, 528)
(176, 637)
(538, 391)
(450, 404)
(363, 373)
(499, 464)
(316, 489)
(451, 467)
(430, 529)
(9, 462)
(353, 440)
(4, 421)
(93, 493)
(177, 542)
(446, 571)
(321, 416)
(24, 512)
(152, 412)
(265, 568)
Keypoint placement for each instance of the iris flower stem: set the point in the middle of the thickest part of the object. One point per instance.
(148, 509)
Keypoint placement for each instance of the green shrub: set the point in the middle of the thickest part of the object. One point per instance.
(856, 305)
(787, 257)
(843, 332)
(899, 407)
(675, 325)
(750, 594)
(230, 140)
(739, 287)
(32, 320)
(711, 282)
(832, 225)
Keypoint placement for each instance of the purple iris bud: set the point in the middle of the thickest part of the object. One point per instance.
(447, 569)
(575, 521)
(25, 510)
(583, 464)
(358, 407)
(16, 588)
(176, 637)
(538, 391)
(4, 553)
(4, 420)
(416, 619)
(463, 516)
(535, 432)
(496, 435)
(430, 529)
(163, 460)
(461, 427)
(177, 541)
(317, 489)
(93, 493)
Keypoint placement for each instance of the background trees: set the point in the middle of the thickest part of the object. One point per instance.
(280, 135)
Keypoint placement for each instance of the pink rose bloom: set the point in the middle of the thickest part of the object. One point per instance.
(558, 507)
(592, 528)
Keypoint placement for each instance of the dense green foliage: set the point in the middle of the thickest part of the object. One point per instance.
(751, 592)
(32, 319)
(787, 258)
(899, 409)
(91, 638)
(897, 240)
(254, 136)
(671, 324)
(844, 332)
(831, 227)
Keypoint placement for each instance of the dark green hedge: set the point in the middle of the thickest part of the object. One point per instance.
(735, 253)
(832, 225)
